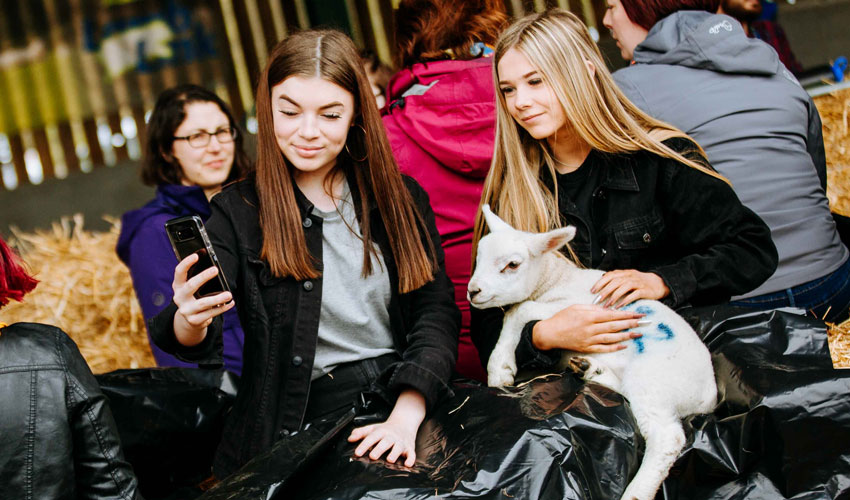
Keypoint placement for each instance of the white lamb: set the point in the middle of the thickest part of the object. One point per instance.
(666, 374)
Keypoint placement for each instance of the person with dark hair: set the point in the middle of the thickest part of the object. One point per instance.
(441, 121)
(700, 72)
(194, 147)
(335, 267)
(748, 13)
(378, 74)
(58, 439)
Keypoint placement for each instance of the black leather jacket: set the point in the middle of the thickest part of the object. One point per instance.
(58, 439)
(656, 215)
(280, 317)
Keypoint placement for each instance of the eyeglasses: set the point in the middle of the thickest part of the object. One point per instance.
(202, 139)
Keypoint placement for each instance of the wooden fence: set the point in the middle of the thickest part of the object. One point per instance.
(78, 77)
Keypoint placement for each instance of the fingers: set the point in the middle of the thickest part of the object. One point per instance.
(597, 348)
(358, 433)
(200, 312)
(609, 328)
(367, 443)
(182, 269)
(411, 458)
(629, 298)
(600, 314)
(198, 280)
(396, 452)
(381, 447)
(380, 439)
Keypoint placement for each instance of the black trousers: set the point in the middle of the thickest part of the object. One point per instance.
(340, 389)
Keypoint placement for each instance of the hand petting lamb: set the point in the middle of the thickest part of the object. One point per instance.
(666, 374)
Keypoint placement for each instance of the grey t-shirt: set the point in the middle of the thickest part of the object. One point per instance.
(354, 323)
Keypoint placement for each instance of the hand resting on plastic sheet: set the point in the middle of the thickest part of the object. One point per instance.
(665, 373)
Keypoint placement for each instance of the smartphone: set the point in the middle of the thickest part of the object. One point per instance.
(188, 236)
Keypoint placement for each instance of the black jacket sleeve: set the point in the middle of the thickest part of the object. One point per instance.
(726, 248)
(209, 353)
(429, 358)
(99, 466)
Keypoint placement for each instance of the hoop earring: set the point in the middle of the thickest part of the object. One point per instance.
(365, 155)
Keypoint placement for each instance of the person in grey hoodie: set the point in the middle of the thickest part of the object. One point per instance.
(700, 72)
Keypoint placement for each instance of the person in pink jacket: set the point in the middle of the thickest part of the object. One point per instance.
(440, 117)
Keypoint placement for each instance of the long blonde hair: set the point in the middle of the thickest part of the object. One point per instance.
(558, 44)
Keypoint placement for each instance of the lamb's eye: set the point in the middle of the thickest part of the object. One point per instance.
(512, 265)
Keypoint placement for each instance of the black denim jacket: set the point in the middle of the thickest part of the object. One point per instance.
(280, 317)
(656, 215)
(58, 438)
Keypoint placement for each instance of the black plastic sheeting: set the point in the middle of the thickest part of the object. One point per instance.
(781, 429)
(170, 422)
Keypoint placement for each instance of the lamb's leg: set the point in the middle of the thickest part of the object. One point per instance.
(593, 370)
(664, 441)
(501, 367)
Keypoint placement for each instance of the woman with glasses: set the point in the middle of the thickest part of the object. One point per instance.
(193, 148)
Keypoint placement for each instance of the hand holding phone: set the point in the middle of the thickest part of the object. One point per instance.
(200, 288)
(188, 236)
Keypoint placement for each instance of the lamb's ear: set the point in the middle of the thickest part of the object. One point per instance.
(553, 240)
(493, 221)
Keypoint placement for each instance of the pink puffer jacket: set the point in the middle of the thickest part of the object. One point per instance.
(442, 135)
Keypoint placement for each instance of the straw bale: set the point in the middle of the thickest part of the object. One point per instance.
(84, 290)
(834, 109)
(87, 291)
(839, 344)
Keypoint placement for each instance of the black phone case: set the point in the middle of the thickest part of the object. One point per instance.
(188, 236)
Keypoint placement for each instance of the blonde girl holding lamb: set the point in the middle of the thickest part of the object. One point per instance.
(648, 208)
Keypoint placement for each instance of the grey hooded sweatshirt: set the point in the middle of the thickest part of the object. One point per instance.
(700, 73)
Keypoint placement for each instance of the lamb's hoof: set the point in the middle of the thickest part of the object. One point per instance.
(579, 365)
(500, 378)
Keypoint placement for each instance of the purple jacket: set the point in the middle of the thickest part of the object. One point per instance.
(144, 247)
(443, 137)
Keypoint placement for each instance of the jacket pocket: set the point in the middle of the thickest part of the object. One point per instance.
(265, 291)
(639, 233)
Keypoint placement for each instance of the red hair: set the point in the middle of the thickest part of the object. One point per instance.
(431, 30)
(15, 281)
(645, 13)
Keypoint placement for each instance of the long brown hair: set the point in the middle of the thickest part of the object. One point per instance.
(332, 56)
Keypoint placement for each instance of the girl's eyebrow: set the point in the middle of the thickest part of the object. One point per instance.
(326, 106)
(522, 77)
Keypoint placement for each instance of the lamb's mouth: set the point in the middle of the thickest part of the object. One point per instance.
(481, 303)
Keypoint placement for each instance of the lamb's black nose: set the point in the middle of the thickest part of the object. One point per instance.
(472, 292)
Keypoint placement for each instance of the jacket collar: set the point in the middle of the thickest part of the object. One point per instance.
(183, 199)
(620, 175)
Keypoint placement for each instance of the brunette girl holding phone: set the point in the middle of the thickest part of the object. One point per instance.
(334, 264)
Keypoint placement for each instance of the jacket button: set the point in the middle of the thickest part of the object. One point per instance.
(308, 285)
(647, 238)
(307, 222)
(283, 433)
(296, 361)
